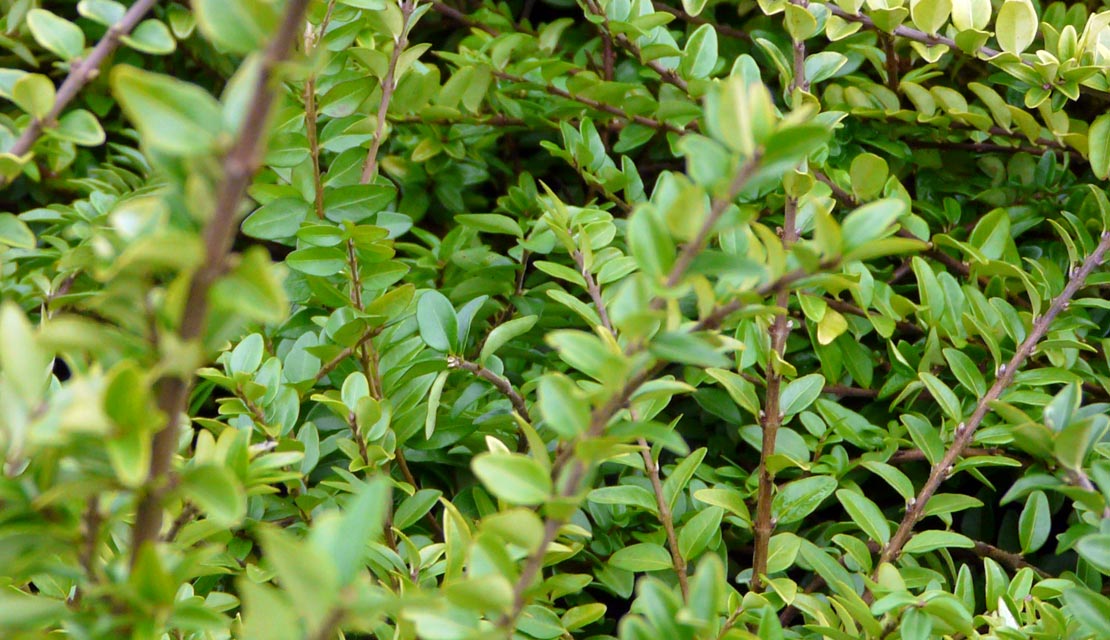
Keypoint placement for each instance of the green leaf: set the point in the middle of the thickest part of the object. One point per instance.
(653, 250)
(34, 93)
(796, 500)
(930, 15)
(625, 495)
(965, 370)
(434, 395)
(172, 116)
(57, 35)
(698, 531)
(1091, 609)
(360, 524)
(641, 557)
(318, 261)
(513, 477)
(693, 7)
(800, 393)
(439, 326)
(79, 127)
(588, 354)
(700, 55)
(15, 233)
(1016, 25)
(942, 395)
(277, 219)
(686, 348)
(151, 36)
(105, 12)
(1095, 549)
(490, 223)
(932, 540)
(866, 514)
(870, 222)
(564, 407)
(20, 611)
(505, 332)
(1098, 144)
(216, 492)
(237, 26)
(869, 173)
(1035, 522)
(25, 364)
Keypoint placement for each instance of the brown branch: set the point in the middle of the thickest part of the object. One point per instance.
(666, 518)
(607, 35)
(965, 432)
(239, 166)
(597, 105)
(347, 352)
(81, 74)
(311, 38)
(1013, 561)
(463, 19)
(1085, 483)
(917, 455)
(594, 290)
(389, 85)
(500, 383)
(771, 416)
(722, 29)
(799, 81)
(409, 478)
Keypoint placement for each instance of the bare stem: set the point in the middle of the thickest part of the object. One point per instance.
(668, 75)
(764, 524)
(389, 85)
(239, 166)
(597, 105)
(666, 518)
(500, 383)
(83, 72)
(965, 432)
(311, 38)
(594, 290)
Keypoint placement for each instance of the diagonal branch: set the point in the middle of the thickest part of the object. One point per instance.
(500, 383)
(81, 74)
(389, 85)
(965, 432)
(239, 166)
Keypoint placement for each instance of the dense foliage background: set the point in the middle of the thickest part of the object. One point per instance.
(544, 319)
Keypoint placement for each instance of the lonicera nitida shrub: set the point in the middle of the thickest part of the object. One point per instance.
(607, 319)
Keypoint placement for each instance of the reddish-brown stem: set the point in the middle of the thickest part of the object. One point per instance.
(608, 37)
(311, 37)
(500, 383)
(389, 85)
(594, 290)
(80, 74)
(965, 432)
(800, 81)
(721, 29)
(771, 419)
(597, 105)
(239, 166)
(666, 518)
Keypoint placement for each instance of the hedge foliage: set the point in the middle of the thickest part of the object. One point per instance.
(595, 319)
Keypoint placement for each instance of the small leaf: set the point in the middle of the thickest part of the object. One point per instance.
(57, 35)
(15, 233)
(1035, 522)
(79, 127)
(173, 116)
(866, 514)
(799, 498)
(563, 406)
(513, 477)
(942, 395)
(1016, 26)
(1098, 143)
(642, 557)
(217, 492)
(698, 531)
(503, 333)
(800, 393)
(439, 326)
(34, 93)
(151, 36)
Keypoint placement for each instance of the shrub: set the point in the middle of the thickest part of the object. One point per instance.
(555, 320)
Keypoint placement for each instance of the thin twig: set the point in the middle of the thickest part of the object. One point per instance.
(347, 352)
(965, 432)
(83, 72)
(594, 290)
(389, 85)
(239, 166)
(597, 105)
(463, 19)
(721, 29)
(771, 417)
(500, 383)
(607, 35)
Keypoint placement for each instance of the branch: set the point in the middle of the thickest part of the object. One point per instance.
(500, 383)
(721, 29)
(347, 352)
(80, 75)
(771, 416)
(599, 106)
(668, 75)
(239, 166)
(966, 431)
(462, 18)
(666, 518)
(389, 85)
(594, 290)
